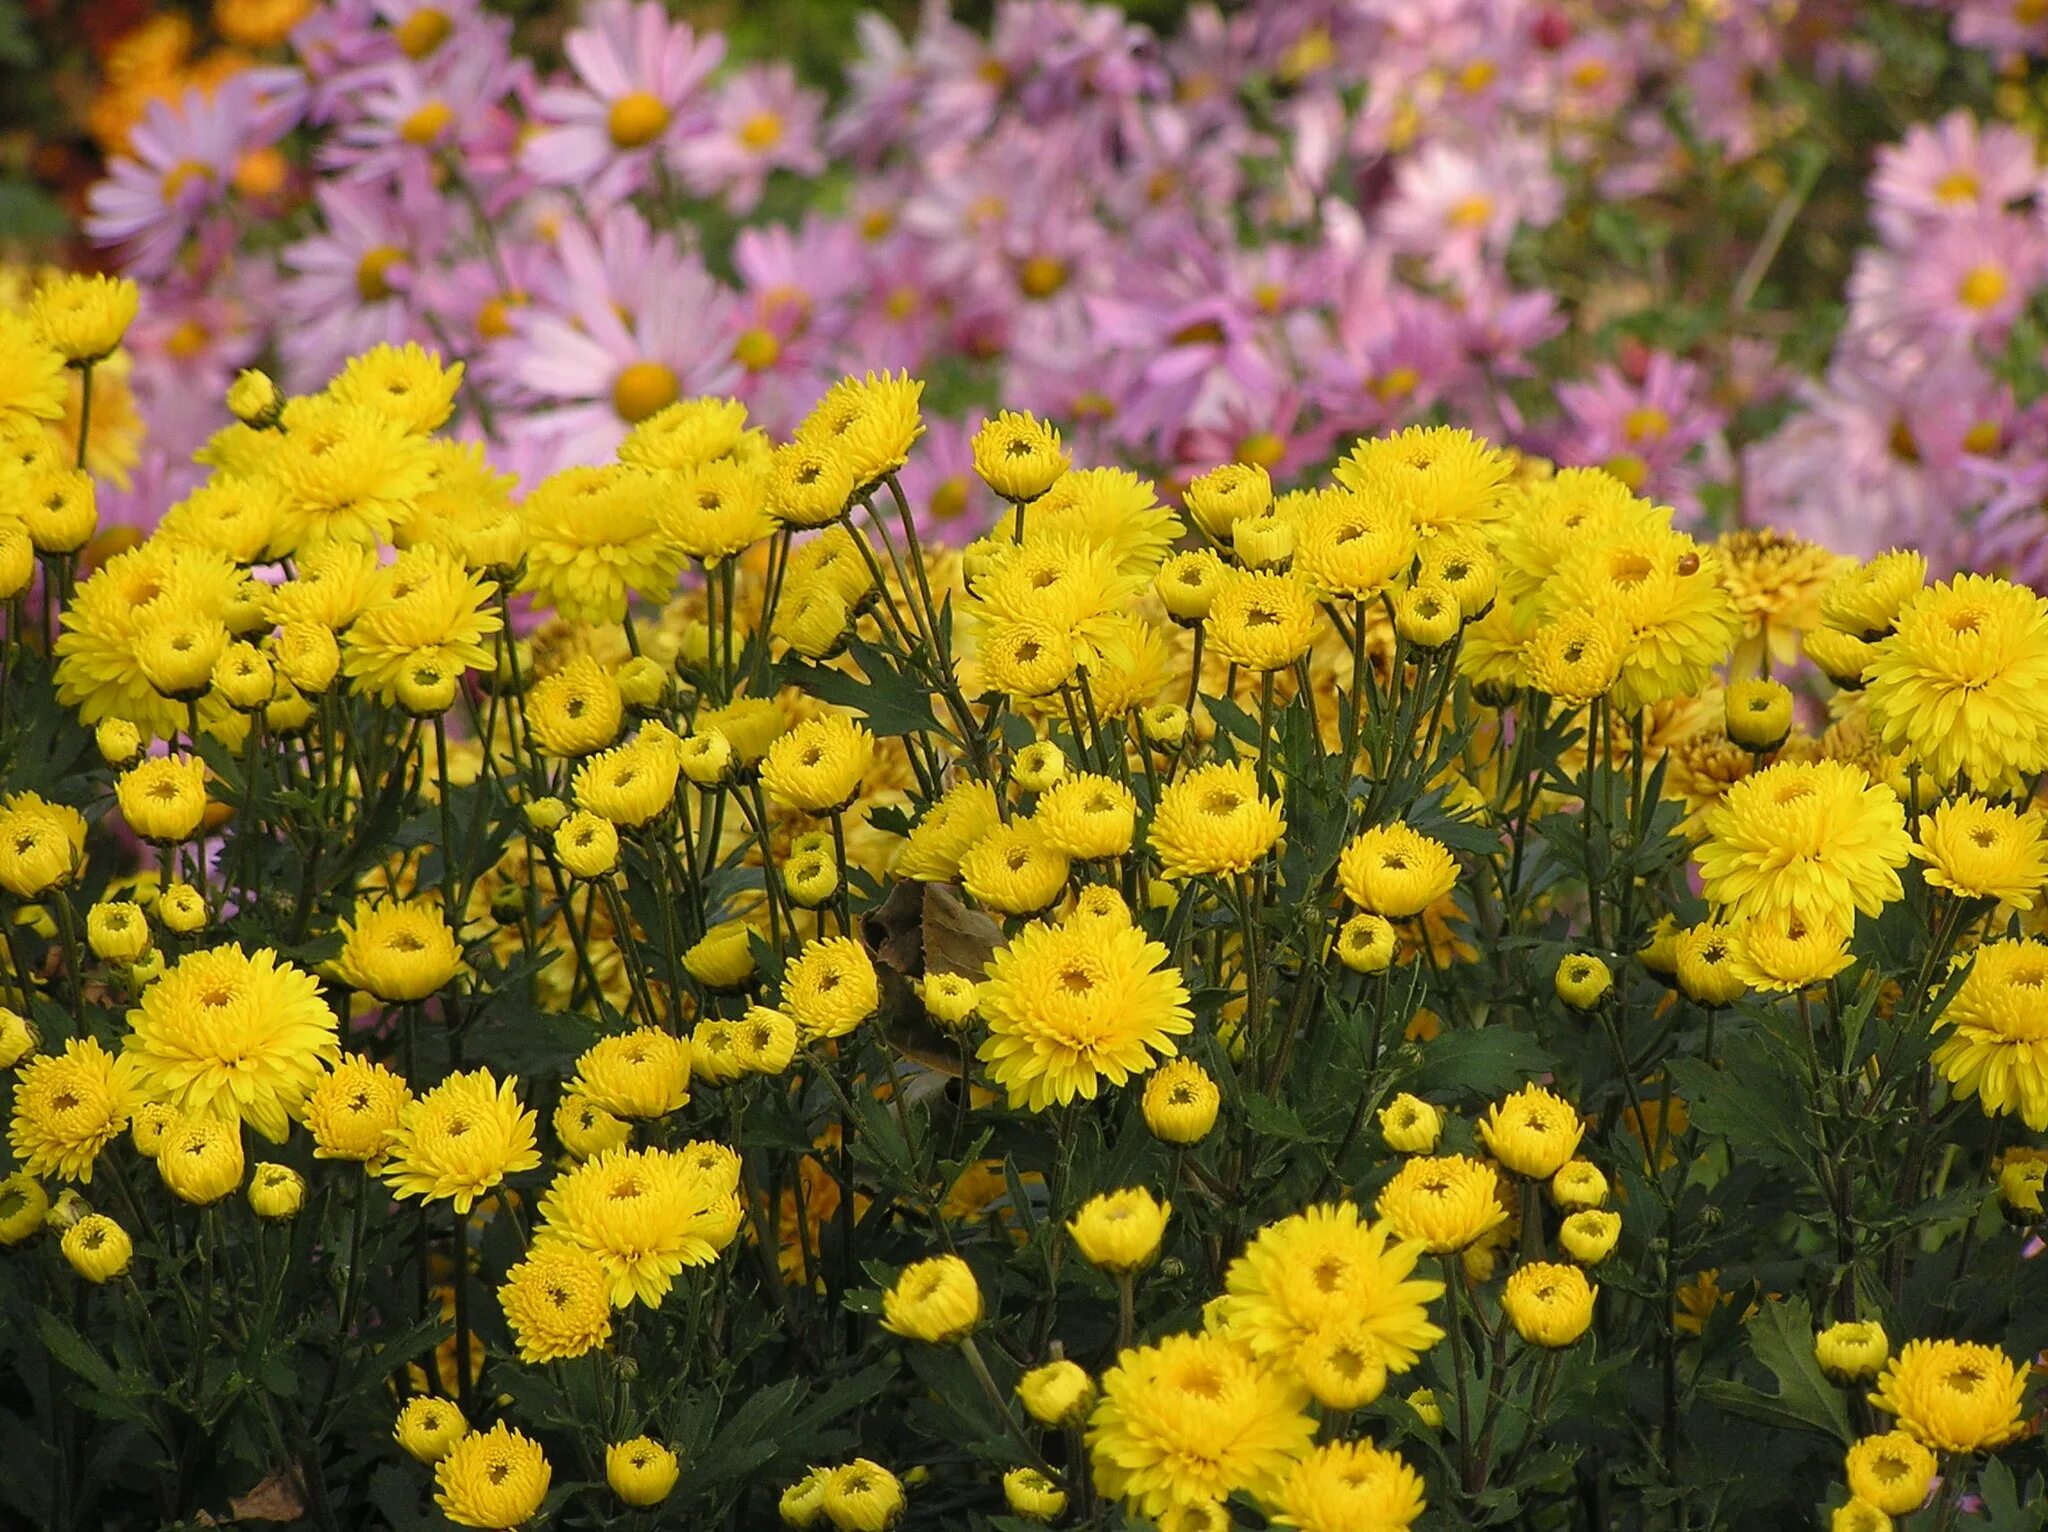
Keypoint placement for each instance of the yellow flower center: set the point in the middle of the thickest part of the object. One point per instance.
(422, 32)
(1263, 449)
(1982, 437)
(188, 340)
(756, 350)
(1397, 384)
(1956, 186)
(1477, 75)
(427, 123)
(494, 319)
(1628, 468)
(762, 130)
(1646, 423)
(261, 172)
(876, 222)
(949, 497)
(642, 389)
(635, 119)
(181, 175)
(1471, 212)
(1042, 276)
(373, 281)
(1981, 287)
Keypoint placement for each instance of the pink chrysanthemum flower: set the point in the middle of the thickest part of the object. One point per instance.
(638, 77)
(1961, 286)
(1639, 429)
(1948, 172)
(644, 325)
(408, 114)
(761, 121)
(1459, 211)
(349, 287)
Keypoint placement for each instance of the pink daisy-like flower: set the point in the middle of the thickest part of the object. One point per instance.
(2001, 26)
(947, 498)
(180, 165)
(187, 343)
(410, 114)
(794, 286)
(1640, 429)
(627, 342)
(1948, 172)
(1959, 287)
(349, 287)
(761, 121)
(638, 78)
(1459, 210)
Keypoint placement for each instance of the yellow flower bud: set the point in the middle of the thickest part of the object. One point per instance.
(1410, 1125)
(1548, 1303)
(276, 1191)
(427, 1428)
(1057, 1394)
(1589, 1235)
(1759, 714)
(1181, 1102)
(97, 1248)
(1583, 981)
(641, 1472)
(1120, 1231)
(935, 1300)
(1852, 1349)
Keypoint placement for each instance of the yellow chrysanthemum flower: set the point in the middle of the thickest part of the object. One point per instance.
(67, 1107)
(557, 1303)
(32, 382)
(241, 1034)
(495, 1479)
(932, 852)
(461, 1139)
(397, 951)
(1818, 836)
(1342, 1485)
(1445, 1203)
(428, 609)
(645, 1214)
(1070, 1006)
(1996, 1042)
(1262, 621)
(1213, 819)
(1194, 1418)
(1532, 1133)
(1955, 1396)
(1979, 850)
(1446, 477)
(1018, 456)
(1961, 683)
(871, 422)
(1325, 1264)
(354, 1109)
(1396, 871)
(594, 539)
(407, 384)
(818, 766)
(636, 1075)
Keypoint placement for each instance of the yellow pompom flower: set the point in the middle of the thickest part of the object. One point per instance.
(1582, 981)
(1343, 1485)
(1032, 1496)
(1955, 1396)
(200, 1157)
(1037, 766)
(276, 1191)
(97, 1248)
(1070, 1006)
(1892, 1471)
(936, 1301)
(84, 315)
(1366, 943)
(641, 1471)
(585, 1128)
(398, 951)
(116, 931)
(594, 539)
(1758, 713)
(577, 710)
(1979, 850)
(723, 958)
(428, 1427)
(42, 845)
(635, 1075)
(686, 434)
(23, 1207)
(1549, 1303)
(1088, 817)
(1450, 478)
(1194, 1418)
(1014, 869)
(1445, 1203)
(234, 1032)
(862, 1496)
(810, 483)
(645, 1214)
(1213, 819)
(1354, 545)
(1410, 1125)
(932, 852)
(18, 1037)
(557, 1302)
(1396, 871)
(1665, 592)
(353, 1110)
(1187, 584)
(1859, 1516)
(1996, 1042)
(461, 1139)
(1261, 621)
(830, 987)
(1578, 1184)
(1427, 616)
(1962, 682)
(1789, 950)
(1589, 1235)
(1119, 1232)
(32, 382)
(1576, 656)
(1817, 836)
(1323, 1265)
(1018, 456)
(495, 1479)
(1224, 496)
(1707, 964)
(1057, 1394)
(1865, 601)
(67, 1107)
(1532, 1133)
(870, 421)
(1852, 1349)
(59, 509)
(818, 766)
(587, 845)
(765, 1040)
(1180, 1102)
(950, 999)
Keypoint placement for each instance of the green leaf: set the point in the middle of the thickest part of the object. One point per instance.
(892, 702)
(1781, 1337)
(2003, 1509)
(1487, 1061)
(116, 1396)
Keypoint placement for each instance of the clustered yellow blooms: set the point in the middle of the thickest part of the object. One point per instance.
(707, 840)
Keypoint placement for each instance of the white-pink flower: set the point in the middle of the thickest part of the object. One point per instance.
(761, 121)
